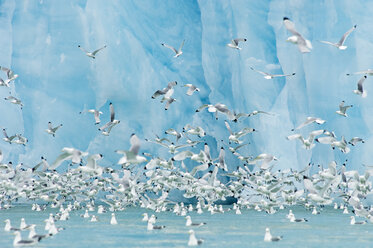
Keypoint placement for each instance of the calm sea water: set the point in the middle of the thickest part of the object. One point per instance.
(329, 229)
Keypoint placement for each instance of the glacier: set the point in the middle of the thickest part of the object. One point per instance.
(56, 80)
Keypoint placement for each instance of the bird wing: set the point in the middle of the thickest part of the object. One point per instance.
(170, 47)
(63, 156)
(328, 42)
(158, 93)
(5, 134)
(228, 127)
(112, 113)
(105, 126)
(203, 107)
(261, 72)
(238, 40)
(360, 83)
(289, 25)
(96, 114)
(345, 35)
(50, 126)
(302, 45)
(81, 48)
(96, 51)
(283, 75)
(135, 144)
(181, 45)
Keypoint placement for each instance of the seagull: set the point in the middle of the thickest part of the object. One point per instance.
(314, 211)
(193, 241)
(267, 158)
(145, 218)
(342, 145)
(304, 45)
(52, 130)
(342, 109)
(308, 121)
(131, 156)
(307, 143)
(269, 238)
(219, 107)
(91, 54)
(68, 153)
(355, 140)
(113, 220)
(164, 91)
(18, 241)
(354, 222)
(340, 45)
(7, 138)
(153, 227)
(106, 129)
(8, 226)
(234, 137)
(190, 223)
(360, 90)
(293, 219)
(178, 52)
(191, 89)
(10, 74)
(270, 76)
(93, 219)
(234, 43)
(96, 114)
(168, 99)
(14, 100)
(23, 224)
(33, 235)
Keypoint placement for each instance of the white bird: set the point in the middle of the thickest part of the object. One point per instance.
(270, 76)
(145, 218)
(190, 223)
(368, 72)
(52, 130)
(343, 108)
(293, 219)
(153, 227)
(68, 153)
(266, 158)
(10, 74)
(23, 224)
(18, 241)
(234, 137)
(32, 234)
(219, 107)
(113, 220)
(93, 219)
(91, 167)
(168, 99)
(193, 241)
(341, 144)
(314, 211)
(234, 43)
(339, 44)
(163, 91)
(269, 238)
(355, 140)
(106, 129)
(308, 121)
(177, 52)
(304, 45)
(131, 156)
(307, 143)
(191, 89)
(360, 91)
(96, 113)
(7, 138)
(14, 100)
(354, 222)
(8, 227)
(91, 54)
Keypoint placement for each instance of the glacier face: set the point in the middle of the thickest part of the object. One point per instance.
(57, 80)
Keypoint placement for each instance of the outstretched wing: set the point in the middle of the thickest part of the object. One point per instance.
(344, 37)
(96, 51)
(170, 47)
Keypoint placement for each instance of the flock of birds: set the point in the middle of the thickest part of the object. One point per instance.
(145, 180)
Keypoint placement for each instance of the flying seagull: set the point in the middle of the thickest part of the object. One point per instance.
(270, 76)
(304, 45)
(360, 90)
(91, 54)
(177, 52)
(234, 43)
(340, 45)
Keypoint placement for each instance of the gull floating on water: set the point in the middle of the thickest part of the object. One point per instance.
(113, 220)
(193, 241)
(91, 54)
(304, 45)
(340, 45)
(270, 76)
(177, 52)
(190, 223)
(354, 222)
(18, 241)
(269, 238)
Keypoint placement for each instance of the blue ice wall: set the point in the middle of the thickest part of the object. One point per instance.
(57, 81)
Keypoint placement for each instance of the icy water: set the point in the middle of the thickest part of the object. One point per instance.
(329, 229)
